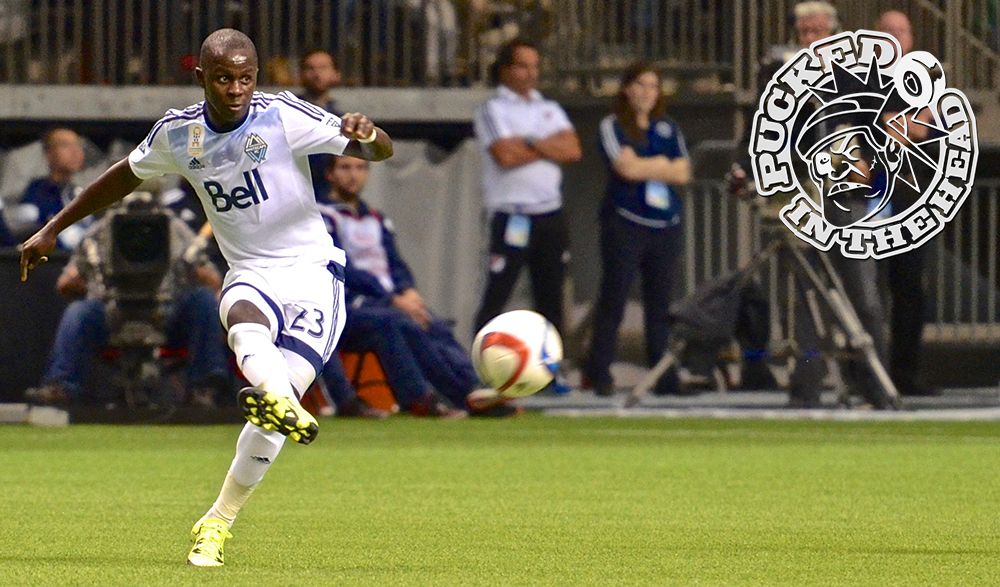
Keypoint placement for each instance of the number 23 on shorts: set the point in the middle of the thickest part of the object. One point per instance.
(309, 321)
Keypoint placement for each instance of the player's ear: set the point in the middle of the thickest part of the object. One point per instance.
(199, 74)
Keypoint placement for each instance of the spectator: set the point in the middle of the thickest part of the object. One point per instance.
(904, 273)
(815, 21)
(524, 139)
(387, 314)
(191, 321)
(46, 196)
(15, 16)
(279, 71)
(319, 75)
(640, 221)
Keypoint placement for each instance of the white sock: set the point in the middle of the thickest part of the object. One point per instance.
(256, 449)
(260, 361)
(230, 500)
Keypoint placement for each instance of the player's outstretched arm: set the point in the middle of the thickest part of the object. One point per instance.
(113, 185)
(367, 140)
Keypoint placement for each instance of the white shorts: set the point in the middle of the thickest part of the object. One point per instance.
(305, 306)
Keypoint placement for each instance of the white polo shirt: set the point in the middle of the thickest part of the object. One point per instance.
(535, 188)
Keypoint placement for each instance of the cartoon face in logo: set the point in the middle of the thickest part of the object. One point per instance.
(848, 123)
(852, 160)
(854, 177)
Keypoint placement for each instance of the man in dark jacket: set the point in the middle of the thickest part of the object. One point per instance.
(426, 367)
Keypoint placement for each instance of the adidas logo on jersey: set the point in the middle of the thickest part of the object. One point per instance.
(195, 164)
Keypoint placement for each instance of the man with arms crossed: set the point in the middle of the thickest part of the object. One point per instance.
(282, 303)
(524, 138)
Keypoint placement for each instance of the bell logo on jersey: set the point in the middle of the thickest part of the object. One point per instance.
(240, 197)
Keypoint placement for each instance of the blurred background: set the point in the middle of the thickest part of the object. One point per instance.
(419, 68)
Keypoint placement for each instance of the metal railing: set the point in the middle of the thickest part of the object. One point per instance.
(593, 40)
(377, 42)
(585, 43)
(961, 272)
(963, 34)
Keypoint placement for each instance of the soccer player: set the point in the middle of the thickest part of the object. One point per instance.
(282, 303)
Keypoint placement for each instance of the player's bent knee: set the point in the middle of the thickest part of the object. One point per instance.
(245, 311)
(243, 303)
(248, 333)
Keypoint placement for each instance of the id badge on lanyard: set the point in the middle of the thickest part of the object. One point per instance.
(657, 195)
(518, 231)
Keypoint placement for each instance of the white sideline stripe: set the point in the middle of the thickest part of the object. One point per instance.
(13, 413)
(826, 414)
(21, 413)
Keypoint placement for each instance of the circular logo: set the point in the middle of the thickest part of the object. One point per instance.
(869, 147)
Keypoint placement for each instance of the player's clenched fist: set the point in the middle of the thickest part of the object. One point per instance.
(355, 125)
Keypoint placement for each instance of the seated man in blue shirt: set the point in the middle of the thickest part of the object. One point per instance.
(387, 314)
(46, 196)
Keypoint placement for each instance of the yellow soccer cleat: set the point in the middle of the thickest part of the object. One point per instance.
(208, 539)
(278, 413)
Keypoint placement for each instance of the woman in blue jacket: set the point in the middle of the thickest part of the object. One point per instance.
(640, 221)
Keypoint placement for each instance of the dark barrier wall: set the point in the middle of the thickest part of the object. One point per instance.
(29, 315)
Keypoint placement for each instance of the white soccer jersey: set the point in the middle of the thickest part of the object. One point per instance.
(253, 181)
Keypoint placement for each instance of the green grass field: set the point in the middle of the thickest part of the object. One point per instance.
(529, 501)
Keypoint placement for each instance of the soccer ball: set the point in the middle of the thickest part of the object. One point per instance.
(517, 353)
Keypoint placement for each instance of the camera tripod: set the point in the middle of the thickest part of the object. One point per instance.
(823, 289)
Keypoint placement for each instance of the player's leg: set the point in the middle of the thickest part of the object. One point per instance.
(256, 450)
(251, 338)
(252, 317)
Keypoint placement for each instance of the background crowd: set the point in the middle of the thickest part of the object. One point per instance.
(525, 139)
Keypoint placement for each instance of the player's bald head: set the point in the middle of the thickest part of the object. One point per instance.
(225, 43)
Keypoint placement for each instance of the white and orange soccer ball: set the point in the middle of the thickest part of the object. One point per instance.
(517, 353)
